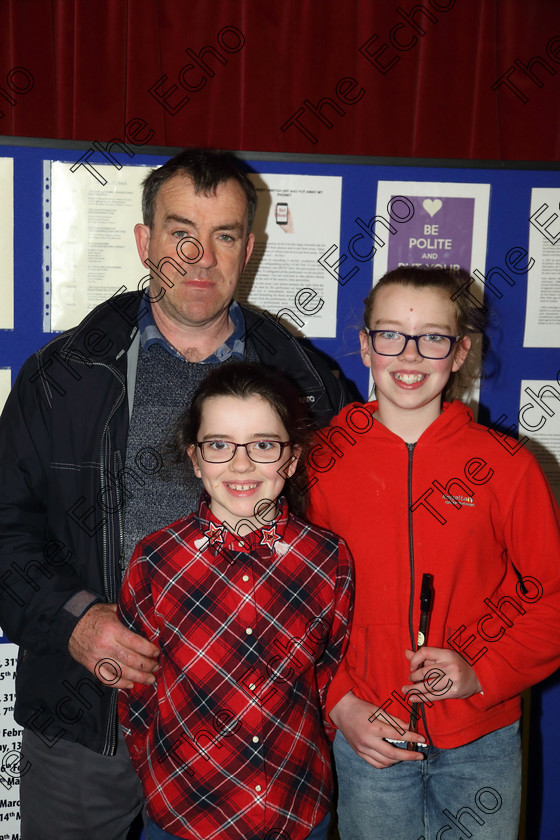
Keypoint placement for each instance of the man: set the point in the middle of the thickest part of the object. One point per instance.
(83, 478)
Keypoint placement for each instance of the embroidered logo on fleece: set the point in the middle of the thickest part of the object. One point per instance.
(464, 501)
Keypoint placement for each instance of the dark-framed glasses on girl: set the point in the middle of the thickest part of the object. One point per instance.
(429, 345)
(259, 451)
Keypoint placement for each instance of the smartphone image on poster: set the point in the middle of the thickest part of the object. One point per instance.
(281, 212)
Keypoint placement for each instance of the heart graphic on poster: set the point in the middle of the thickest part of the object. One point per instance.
(432, 206)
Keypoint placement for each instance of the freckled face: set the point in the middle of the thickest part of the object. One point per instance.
(219, 223)
(409, 382)
(237, 487)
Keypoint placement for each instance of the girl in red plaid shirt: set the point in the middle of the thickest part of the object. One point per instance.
(250, 608)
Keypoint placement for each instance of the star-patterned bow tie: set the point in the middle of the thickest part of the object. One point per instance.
(269, 536)
(214, 533)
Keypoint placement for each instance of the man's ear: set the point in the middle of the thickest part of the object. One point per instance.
(192, 453)
(365, 348)
(461, 353)
(142, 236)
(249, 245)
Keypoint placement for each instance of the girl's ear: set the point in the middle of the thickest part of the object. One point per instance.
(461, 353)
(192, 453)
(289, 471)
(365, 348)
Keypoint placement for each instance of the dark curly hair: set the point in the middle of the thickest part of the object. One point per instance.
(207, 168)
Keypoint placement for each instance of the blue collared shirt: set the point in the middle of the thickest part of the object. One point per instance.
(233, 347)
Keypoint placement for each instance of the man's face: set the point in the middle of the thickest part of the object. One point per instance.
(219, 223)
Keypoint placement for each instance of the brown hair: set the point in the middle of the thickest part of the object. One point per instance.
(470, 316)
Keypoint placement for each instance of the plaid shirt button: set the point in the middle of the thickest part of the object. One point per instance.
(248, 631)
(245, 578)
(255, 739)
(258, 788)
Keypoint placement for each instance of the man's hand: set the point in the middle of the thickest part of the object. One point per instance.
(114, 654)
(440, 674)
(366, 737)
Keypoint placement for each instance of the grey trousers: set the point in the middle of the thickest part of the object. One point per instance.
(71, 793)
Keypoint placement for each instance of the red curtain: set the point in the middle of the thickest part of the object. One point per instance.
(476, 79)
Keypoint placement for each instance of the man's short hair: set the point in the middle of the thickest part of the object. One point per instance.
(206, 168)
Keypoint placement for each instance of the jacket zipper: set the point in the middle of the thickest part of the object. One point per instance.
(120, 504)
(410, 447)
(110, 746)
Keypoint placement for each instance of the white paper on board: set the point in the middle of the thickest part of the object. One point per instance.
(93, 250)
(10, 731)
(298, 219)
(11, 762)
(5, 385)
(7, 243)
(542, 315)
(539, 421)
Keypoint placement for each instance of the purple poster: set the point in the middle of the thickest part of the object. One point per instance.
(439, 234)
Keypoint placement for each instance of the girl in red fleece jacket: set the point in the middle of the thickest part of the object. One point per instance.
(415, 486)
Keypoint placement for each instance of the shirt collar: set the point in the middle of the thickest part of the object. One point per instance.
(264, 541)
(233, 347)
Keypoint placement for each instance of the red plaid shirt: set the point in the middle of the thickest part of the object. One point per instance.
(230, 741)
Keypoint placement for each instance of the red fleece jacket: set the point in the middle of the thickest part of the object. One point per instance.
(470, 507)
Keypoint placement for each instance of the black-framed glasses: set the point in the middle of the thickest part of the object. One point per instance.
(259, 451)
(428, 345)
